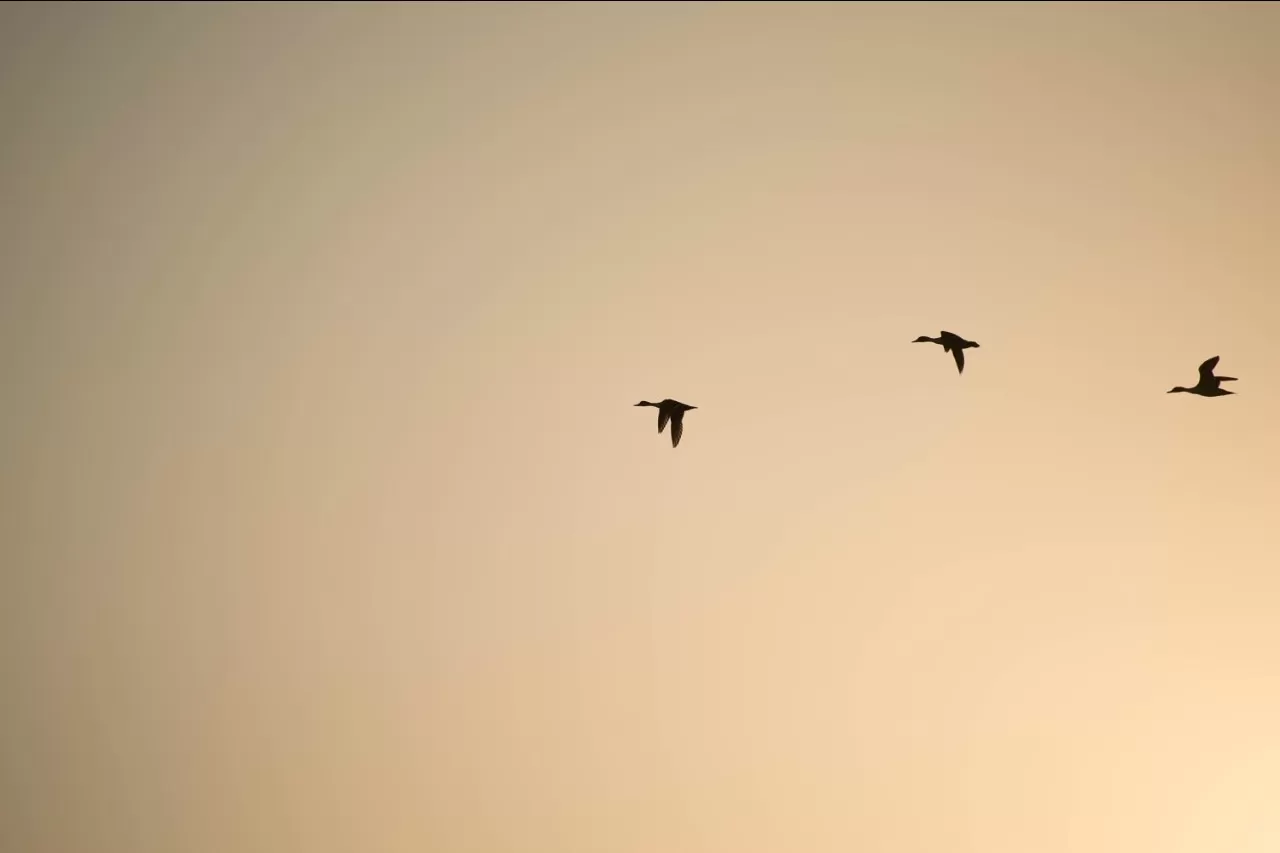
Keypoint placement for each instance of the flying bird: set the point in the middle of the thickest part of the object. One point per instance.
(1209, 385)
(952, 343)
(670, 410)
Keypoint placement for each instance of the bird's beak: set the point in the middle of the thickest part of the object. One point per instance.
(693, 407)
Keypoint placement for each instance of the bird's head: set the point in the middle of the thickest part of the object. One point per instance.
(1178, 388)
(645, 403)
(923, 339)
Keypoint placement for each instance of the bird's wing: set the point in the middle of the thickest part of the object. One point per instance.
(663, 414)
(958, 352)
(677, 428)
(1206, 369)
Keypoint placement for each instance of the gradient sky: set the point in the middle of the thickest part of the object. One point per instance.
(328, 523)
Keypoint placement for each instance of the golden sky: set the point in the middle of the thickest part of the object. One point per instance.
(328, 523)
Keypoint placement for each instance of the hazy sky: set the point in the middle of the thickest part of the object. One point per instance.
(328, 523)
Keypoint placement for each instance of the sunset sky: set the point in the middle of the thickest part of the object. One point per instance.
(328, 524)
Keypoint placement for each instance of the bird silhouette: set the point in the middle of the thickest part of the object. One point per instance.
(1209, 385)
(670, 410)
(952, 343)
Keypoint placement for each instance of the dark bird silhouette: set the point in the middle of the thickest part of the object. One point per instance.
(1209, 385)
(952, 343)
(670, 410)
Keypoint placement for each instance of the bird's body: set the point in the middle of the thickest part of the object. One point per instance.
(673, 411)
(952, 343)
(1209, 385)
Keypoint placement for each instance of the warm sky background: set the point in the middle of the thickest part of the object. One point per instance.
(327, 523)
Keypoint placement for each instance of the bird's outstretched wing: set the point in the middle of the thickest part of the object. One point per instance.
(663, 414)
(958, 352)
(677, 428)
(1206, 369)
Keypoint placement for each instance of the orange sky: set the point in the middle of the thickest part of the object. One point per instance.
(329, 524)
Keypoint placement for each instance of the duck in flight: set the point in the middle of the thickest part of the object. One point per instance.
(1209, 385)
(670, 410)
(952, 343)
